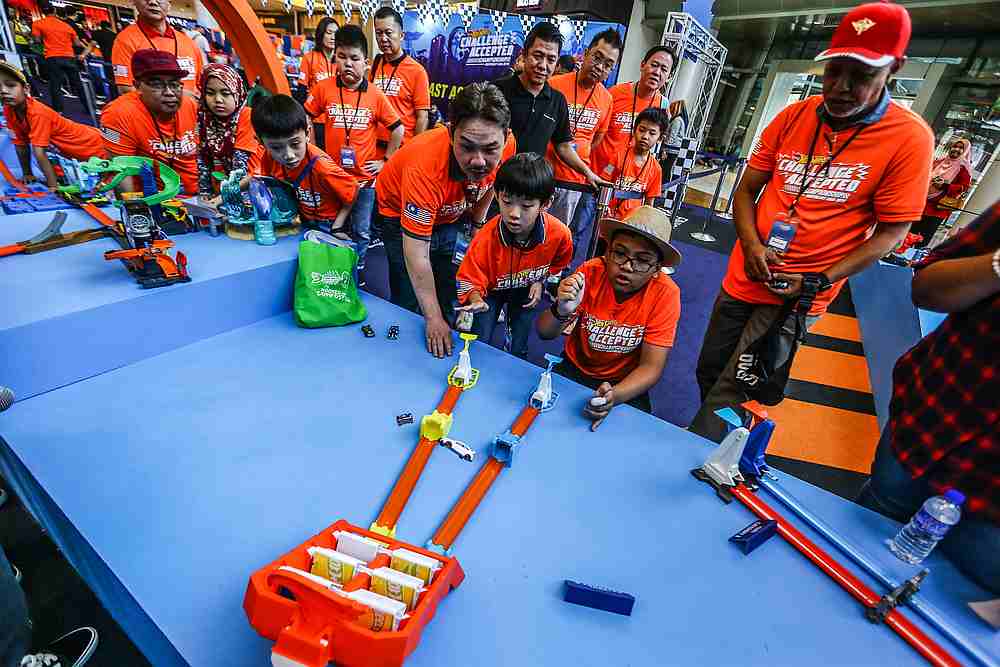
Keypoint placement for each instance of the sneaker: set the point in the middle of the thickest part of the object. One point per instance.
(73, 649)
(375, 243)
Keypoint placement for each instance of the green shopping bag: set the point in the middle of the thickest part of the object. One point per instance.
(326, 294)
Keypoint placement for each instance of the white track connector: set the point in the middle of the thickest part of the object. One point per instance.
(723, 466)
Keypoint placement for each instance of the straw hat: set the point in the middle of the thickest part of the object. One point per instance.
(15, 72)
(651, 224)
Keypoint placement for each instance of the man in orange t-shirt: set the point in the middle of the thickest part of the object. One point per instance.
(58, 39)
(156, 120)
(354, 111)
(589, 118)
(425, 188)
(151, 31)
(628, 100)
(37, 128)
(624, 319)
(403, 80)
(843, 176)
(642, 178)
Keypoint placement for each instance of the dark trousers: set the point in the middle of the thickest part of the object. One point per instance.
(519, 319)
(568, 370)
(60, 70)
(15, 633)
(927, 227)
(442, 252)
(972, 545)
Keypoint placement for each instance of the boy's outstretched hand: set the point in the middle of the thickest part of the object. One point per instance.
(570, 294)
(600, 404)
(534, 295)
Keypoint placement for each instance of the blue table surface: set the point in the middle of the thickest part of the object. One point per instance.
(76, 278)
(187, 471)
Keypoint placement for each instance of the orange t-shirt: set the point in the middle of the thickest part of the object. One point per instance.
(408, 89)
(881, 176)
(57, 37)
(494, 261)
(645, 179)
(130, 129)
(606, 342)
(424, 187)
(323, 191)
(137, 37)
(44, 127)
(351, 118)
(625, 106)
(315, 68)
(589, 115)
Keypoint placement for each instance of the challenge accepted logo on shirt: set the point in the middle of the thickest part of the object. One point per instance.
(357, 118)
(623, 119)
(309, 199)
(523, 278)
(185, 144)
(584, 118)
(611, 336)
(389, 85)
(836, 184)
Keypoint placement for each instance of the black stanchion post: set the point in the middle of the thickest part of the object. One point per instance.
(603, 201)
(702, 234)
(727, 213)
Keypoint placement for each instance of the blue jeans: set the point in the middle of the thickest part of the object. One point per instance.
(972, 545)
(360, 222)
(519, 319)
(15, 634)
(583, 223)
(442, 252)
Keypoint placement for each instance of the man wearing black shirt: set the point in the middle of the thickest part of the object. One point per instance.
(539, 114)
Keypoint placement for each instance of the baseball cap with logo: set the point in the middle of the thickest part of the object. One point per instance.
(11, 70)
(876, 33)
(148, 62)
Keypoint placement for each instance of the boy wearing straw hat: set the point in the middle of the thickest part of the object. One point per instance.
(625, 311)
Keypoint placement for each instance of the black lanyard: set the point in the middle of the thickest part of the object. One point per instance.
(638, 178)
(327, 63)
(806, 182)
(576, 120)
(343, 113)
(381, 70)
(307, 171)
(150, 40)
(635, 97)
(163, 140)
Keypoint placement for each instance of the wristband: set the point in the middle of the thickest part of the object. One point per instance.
(554, 309)
(996, 262)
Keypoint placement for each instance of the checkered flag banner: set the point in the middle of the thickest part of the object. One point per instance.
(329, 7)
(345, 7)
(263, 4)
(579, 28)
(467, 11)
(527, 23)
(310, 7)
(498, 19)
(399, 6)
(288, 6)
(367, 8)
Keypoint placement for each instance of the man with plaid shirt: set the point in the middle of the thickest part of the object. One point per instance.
(945, 408)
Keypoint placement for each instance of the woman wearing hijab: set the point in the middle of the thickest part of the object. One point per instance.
(951, 176)
(226, 138)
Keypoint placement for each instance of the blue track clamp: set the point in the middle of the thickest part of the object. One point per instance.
(437, 548)
(503, 448)
(598, 598)
(730, 416)
(752, 462)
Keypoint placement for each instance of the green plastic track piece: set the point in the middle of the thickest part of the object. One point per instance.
(124, 166)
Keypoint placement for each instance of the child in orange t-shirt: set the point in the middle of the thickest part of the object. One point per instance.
(226, 140)
(639, 177)
(509, 259)
(625, 319)
(324, 191)
(37, 128)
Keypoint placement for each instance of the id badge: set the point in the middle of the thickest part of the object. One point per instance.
(462, 241)
(782, 232)
(347, 158)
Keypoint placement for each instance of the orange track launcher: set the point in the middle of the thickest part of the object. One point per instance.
(314, 621)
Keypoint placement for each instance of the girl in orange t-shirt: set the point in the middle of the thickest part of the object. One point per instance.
(226, 140)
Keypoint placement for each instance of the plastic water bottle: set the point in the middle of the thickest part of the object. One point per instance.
(927, 527)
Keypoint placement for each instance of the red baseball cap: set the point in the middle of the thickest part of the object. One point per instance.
(876, 33)
(147, 62)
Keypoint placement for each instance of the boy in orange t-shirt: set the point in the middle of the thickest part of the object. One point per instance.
(325, 192)
(625, 318)
(38, 128)
(642, 178)
(509, 259)
(354, 111)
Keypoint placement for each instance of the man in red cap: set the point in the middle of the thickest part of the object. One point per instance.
(842, 177)
(156, 119)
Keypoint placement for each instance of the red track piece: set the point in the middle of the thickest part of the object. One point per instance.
(407, 480)
(905, 628)
(462, 511)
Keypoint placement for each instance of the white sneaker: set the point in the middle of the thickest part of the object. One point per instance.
(73, 649)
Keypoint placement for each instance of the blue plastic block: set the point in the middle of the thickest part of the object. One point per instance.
(752, 462)
(37, 187)
(503, 448)
(754, 535)
(598, 598)
(52, 203)
(729, 416)
(10, 190)
(14, 206)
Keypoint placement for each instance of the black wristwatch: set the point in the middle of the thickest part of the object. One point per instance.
(815, 282)
(554, 309)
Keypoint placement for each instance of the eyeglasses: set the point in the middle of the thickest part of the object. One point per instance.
(639, 264)
(602, 63)
(162, 86)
